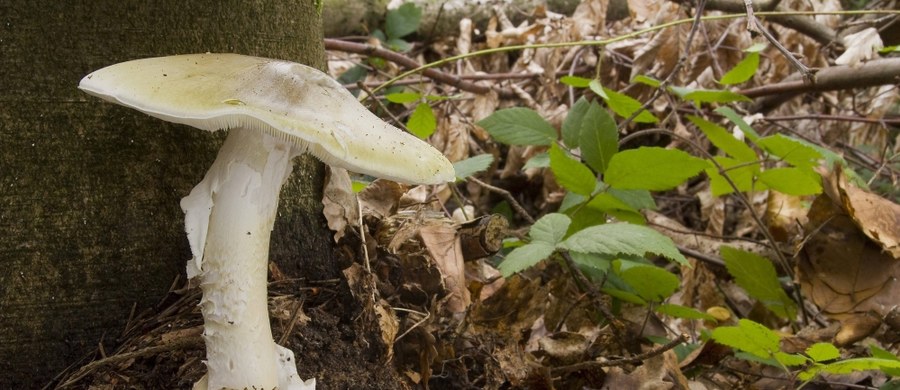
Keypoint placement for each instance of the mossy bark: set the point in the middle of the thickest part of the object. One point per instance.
(90, 223)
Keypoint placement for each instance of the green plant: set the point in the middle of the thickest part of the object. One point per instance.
(753, 341)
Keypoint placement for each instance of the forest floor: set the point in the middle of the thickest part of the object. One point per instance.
(763, 254)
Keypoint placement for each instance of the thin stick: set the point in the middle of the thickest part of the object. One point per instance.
(506, 195)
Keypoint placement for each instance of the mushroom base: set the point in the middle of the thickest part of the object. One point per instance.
(229, 218)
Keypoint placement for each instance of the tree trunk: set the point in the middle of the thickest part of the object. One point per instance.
(89, 191)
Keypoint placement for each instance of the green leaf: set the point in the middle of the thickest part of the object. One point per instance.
(597, 88)
(750, 337)
(594, 261)
(723, 140)
(685, 312)
(625, 106)
(792, 181)
(570, 173)
(599, 138)
(637, 199)
(623, 238)
(422, 121)
(757, 276)
(743, 71)
(851, 365)
(699, 96)
(540, 160)
(650, 81)
(790, 359)
(822, 352)
(575, 81)
(472, 165)
(742, 174)
(402, 21)
(649, 282)
(790, 150)
(571, 126)
(739, 121)
(584, 217)
(519, 126)
(352, 75)
(397, 44)
(525, 257)
(551, 228)
(403, 97)
(652, 168)
(358, 185)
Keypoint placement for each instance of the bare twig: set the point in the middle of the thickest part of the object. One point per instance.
(506, 195)
(620, 362)
(409, 63)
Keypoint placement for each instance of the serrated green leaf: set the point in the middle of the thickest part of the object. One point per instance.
(723, 140)
(402, 21)
(685, 312)
(625, 106)
(651, 283)
(729, 113)
(570, 173)
(540, 160)
(822, 352)
(525, 257)
(551, 228)
(792, 181)
(750, 337)
(599, 138)
(472, 165)
(790, 150)
(571, 126)
(422, 121)
(652, 168)
(622, 238)
(649, 81)
(519, 126)
(403, 97)
(757, 276)
(742, 174)
(575, 81)
(743, 71)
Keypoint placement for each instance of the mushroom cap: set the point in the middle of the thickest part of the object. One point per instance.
(291, 101)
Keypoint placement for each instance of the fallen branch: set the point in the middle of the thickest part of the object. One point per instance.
(870, 74)
(802, 24)
(409, 63)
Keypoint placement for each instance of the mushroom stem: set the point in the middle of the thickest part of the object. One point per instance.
(229, 218)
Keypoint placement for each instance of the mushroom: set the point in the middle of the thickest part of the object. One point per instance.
(275, 110)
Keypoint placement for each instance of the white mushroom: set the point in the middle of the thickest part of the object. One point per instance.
(276, 110)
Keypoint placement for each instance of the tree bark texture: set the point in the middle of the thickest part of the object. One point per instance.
(89, 191)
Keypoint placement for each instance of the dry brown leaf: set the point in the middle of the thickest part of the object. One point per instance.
(381, 197)
(443, 245)
(877, 217)
(389, 325)
(785, 215)
(842, 270)
(339, 203)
